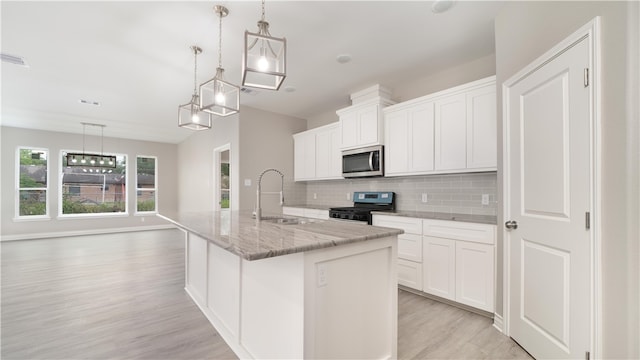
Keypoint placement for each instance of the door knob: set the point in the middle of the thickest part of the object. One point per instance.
(511, 225)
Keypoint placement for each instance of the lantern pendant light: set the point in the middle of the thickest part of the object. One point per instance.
(218, 96)
(264, 59)
(190, 115)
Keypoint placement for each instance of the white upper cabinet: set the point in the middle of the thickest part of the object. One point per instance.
(317, 154)
(451, 131)
(408, 138)
(304, 156)
(361, 124)
(328, 155)
(481, 128)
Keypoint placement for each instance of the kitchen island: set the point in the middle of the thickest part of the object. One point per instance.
(293, 288)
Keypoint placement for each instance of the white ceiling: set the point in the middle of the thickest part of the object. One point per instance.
(134, 57)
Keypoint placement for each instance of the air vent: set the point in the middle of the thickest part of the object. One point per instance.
(14, 59)
(89, 102)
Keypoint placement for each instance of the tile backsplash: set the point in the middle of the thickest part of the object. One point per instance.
(454, 193)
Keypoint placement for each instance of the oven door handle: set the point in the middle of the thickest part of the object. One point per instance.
(371, 161)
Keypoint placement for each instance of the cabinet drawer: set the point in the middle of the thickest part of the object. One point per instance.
(410, 247)
(293, 211)
(409, 225)
(410, 274)
(316, 214)
(479, 233)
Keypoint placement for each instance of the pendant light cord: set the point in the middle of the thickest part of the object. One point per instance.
(220, 41)
(195, 70)
(262, 10)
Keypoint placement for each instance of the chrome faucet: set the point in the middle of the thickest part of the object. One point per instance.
(258, 212)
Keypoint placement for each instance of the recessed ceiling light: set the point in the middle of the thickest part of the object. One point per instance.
(440, 6)
(290, 89)
(89, 102)
(14, 59)
(343, 59)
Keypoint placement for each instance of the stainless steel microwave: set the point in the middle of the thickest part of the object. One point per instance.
(363, 162)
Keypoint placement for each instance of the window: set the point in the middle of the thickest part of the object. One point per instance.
(146, 192)
(32, 183)
(89, 190)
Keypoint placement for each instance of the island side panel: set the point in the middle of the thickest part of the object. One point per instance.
(196, 277)
(272, 307)
(351, 301)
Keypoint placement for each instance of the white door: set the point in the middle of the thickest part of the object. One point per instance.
(547, 161)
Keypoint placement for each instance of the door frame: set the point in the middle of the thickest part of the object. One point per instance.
(590, 31)
(216, 175)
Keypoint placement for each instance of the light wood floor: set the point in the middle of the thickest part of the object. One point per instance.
(121, 296)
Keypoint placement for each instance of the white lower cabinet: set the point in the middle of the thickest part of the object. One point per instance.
(439, 267)
(450, 259)
(474, 275)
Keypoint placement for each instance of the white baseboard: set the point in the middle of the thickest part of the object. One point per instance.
(498, 323)
(84, 232)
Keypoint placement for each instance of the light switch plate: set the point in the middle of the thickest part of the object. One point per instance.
(425, 198)
(485, 199)
(247, 182)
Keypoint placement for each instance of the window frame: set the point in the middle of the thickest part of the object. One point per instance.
(18, 189)
(154, 189)
(62, 216)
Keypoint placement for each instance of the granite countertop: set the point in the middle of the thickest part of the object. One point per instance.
(240, 234)
(480, 219)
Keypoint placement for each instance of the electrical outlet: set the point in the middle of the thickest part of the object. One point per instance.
(322, 274)
(425, 198)
(247, 182)
(485, 199)
(348, 196)
(315, 196)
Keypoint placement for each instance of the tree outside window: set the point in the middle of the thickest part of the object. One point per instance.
(146, 191)
(32, 181)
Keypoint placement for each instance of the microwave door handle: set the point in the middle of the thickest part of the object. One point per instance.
(371, 161)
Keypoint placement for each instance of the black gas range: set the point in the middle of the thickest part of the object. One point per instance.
(363, 204)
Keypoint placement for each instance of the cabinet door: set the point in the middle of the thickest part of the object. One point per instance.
(397, 147)
(439, 267)
(475, 275)
(420, 138)
(349, 129)
(335, 168)
(368, 127)
(323, 155)
(481, 128)
(450, 136)
(304, 157)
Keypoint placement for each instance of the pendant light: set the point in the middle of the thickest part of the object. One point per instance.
(264, 59)
(218, 96)
(92, 161)
(190, 115)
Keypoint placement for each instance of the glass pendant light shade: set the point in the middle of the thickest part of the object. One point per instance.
(217, 96)
(190, 116)
(264, 61)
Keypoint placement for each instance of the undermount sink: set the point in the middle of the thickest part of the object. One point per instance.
(288, 220)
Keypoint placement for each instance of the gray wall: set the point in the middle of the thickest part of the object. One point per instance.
(259, 140)
(524, 31)
(195, 169)
(266, 142)
(55, 142)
